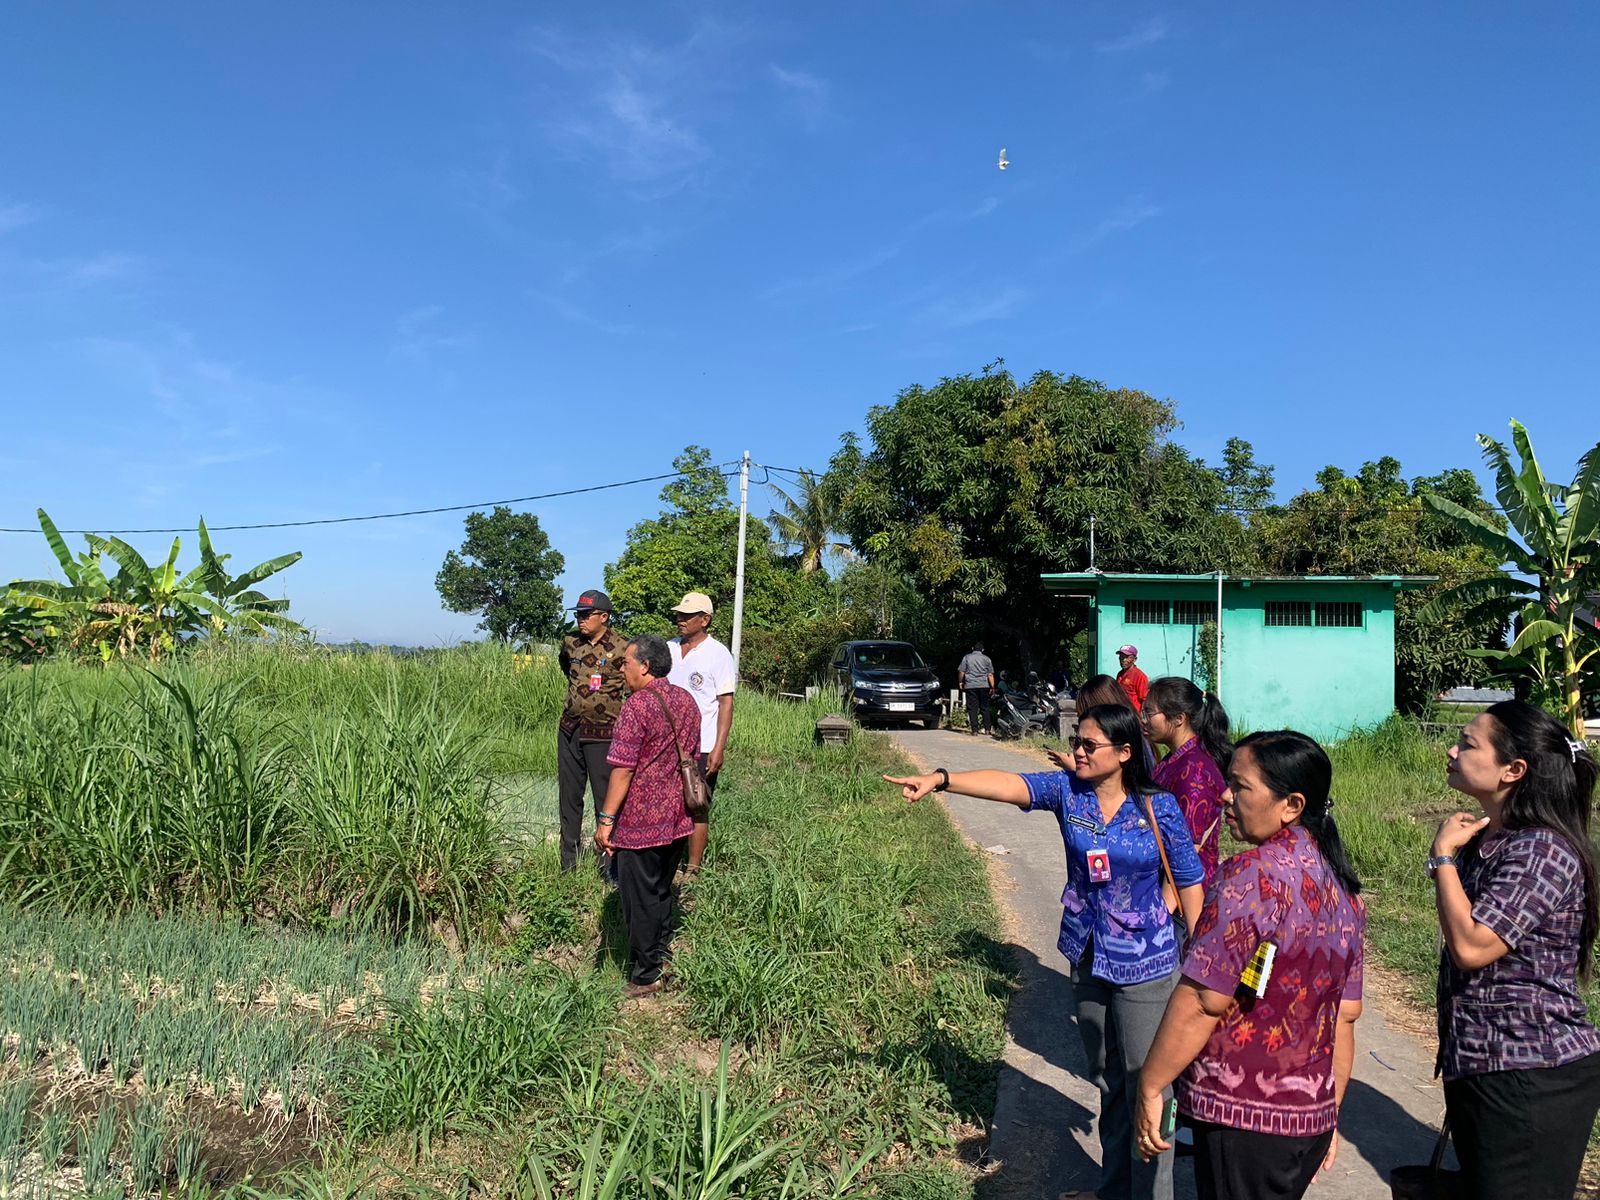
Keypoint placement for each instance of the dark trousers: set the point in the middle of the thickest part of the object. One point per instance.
(1235, 1164)
(980, 708)
(578, 764)
(1522, 1134)
(711, 780)
(644, 885)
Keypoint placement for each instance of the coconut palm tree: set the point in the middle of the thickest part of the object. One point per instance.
(805, 521)
(1547, 600)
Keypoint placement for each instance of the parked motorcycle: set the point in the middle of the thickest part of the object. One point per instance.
(1019, 713)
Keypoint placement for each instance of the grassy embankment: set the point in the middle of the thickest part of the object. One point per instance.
(294, 921)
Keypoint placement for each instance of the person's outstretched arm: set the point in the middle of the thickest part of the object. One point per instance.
(1006, 787)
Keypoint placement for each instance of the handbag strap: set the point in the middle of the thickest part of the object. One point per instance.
(683, 759)
(1161, 846)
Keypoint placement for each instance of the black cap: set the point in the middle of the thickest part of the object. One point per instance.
(593, 599)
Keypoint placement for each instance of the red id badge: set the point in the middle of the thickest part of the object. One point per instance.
(594, 682)
(1099, 866)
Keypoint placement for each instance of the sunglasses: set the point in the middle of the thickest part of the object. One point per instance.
(679, 618)
(1089, 745)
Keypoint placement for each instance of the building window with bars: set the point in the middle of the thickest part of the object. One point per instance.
(1146, 612)
(1339, 614)
(1283, 613)
(1193, 612)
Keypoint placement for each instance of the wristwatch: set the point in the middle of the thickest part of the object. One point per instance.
(1440, 860)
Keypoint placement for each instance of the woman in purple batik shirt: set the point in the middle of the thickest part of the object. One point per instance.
(1260, 1031)
(1519, 908)
(1193, 726)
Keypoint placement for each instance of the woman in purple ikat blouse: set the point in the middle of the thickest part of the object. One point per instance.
(1116, 929)
(1519, 907)
(1260, 1032)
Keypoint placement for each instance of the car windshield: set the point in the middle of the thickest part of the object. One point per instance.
(895, 655)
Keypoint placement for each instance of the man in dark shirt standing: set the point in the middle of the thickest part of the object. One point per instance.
(975, 678)
(591, 659)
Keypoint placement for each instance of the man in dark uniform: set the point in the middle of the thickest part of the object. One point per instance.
(591, 659)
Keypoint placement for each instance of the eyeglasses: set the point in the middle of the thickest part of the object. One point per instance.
(1089, 745)
(679, 618)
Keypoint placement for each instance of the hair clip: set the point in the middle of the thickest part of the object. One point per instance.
(1573, 746)
(1328, 807)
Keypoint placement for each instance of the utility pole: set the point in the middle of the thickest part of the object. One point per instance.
(1216, 684)
(1091, 541)
(738, 578)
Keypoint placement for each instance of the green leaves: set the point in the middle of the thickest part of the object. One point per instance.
(1559, 551)
(505, 571)
(149, 610)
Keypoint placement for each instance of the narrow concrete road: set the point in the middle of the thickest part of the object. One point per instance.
(1044, 1140)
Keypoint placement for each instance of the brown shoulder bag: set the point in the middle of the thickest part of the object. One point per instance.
(1169, 885)
(696, 796)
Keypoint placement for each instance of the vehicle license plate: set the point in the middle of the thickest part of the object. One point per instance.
(901, 706)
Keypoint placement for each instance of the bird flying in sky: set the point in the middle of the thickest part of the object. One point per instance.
(1004, 161)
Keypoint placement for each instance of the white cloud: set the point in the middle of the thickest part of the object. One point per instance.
(1147, 33)
(15, 216)
(629, 109)
(807, 94)
(958, 312)
(418, 337)
(1131, 214)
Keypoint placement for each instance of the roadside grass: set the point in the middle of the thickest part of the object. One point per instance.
(279, 922)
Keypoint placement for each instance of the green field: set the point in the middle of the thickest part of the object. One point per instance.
(290, 922)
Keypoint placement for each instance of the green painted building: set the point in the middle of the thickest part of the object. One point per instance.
(1314, 653)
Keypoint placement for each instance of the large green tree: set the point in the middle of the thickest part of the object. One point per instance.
(692, 546)
(505, 570)
(805, 521)
(1376, 522)
(975, 487)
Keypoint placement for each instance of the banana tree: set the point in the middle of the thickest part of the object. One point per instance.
(1555, 571)
(150, 609)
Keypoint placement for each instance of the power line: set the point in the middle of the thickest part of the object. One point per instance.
(414, 512)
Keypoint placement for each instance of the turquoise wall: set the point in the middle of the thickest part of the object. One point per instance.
(1323, 681)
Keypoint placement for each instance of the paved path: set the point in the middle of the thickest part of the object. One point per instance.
(1043, 1140)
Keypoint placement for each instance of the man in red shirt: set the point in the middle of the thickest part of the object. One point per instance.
(1134, 681)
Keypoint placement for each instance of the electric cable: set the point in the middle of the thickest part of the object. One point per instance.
(414, 512)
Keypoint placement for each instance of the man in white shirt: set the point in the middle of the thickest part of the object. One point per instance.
(704, 667)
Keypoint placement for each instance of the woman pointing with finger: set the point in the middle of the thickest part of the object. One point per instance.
(1130, 863)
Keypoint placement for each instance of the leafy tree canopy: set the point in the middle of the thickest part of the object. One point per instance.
(975, 487)
(505, 570)
(692, 546)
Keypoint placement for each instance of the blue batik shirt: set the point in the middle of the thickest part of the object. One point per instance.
(1134, 937)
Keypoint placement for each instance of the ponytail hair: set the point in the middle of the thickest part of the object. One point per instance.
(1291, 762)
(1556, 793)
(1173, 695)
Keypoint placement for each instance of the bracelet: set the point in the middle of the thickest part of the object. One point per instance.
(945, 785)
(1440, 860)
(607, 818)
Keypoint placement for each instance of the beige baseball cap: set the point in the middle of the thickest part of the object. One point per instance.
(694, 602)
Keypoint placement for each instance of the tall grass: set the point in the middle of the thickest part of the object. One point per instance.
(269, 782)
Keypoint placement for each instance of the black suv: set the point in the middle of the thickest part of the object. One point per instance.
(888, 681)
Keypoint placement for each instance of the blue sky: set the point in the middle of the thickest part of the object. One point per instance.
(280, 262)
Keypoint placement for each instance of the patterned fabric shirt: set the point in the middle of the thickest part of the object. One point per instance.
(1192, 777)
(653, 812)
(595, 687)
(1268, 1066)
(1134, 937)
(1524, 1009)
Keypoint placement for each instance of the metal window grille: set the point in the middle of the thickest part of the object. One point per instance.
(1339, 614)
(1193, 612)
(1146, 612)
(1288, 612)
